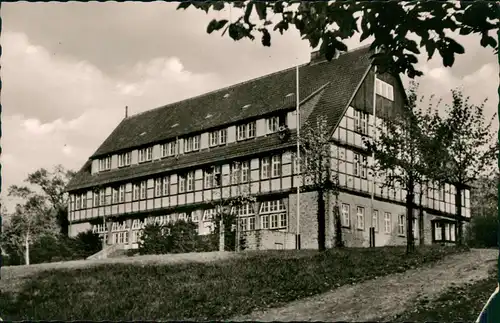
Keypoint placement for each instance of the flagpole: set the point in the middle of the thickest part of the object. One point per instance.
(374, 124)
(297, 114)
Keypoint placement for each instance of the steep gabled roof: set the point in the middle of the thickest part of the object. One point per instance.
(338, 81)
(265, 95)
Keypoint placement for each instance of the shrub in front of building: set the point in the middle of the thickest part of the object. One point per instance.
(483, 231)
(178, 237)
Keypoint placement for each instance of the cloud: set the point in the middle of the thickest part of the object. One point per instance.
(58, 110)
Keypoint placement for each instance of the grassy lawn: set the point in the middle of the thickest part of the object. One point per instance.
(458, 304)
(197, 291)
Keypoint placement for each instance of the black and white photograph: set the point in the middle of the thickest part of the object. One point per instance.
(258, 161)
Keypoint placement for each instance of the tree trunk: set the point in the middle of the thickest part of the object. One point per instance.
(409, 221)
(339, 243)
(221, 235)
(27, 249)
(321, 221)
(421, 236)
(458, 203)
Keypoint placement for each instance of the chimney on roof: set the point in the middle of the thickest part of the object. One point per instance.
(126, 111)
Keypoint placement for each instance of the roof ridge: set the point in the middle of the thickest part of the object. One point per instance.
(220, 89)
(235, 85)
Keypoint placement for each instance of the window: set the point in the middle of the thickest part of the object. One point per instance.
(273, 214)
(387, 222)
(115, 196)
(384, 89)
(346, 220)
(77, 202)
(190, 181)
(356, 165)
(145, 154)
(182, 217)
(209, 177)
(375, 220)
(217, 177)
(166, 185)
(245, 168)
(276, 166)
(136, 190)
(244, 210)
(209, 214)
(214, 138)
(401, 225)
(361, 122)
(360, 217)
(192, 144)
(84, 200)
(438, 231)
(143, 189)
(251, 130)
(364, 166)
(182, 183)
(242, 132)
(96, 198)
(265, 170)
(235, 173)
(168, 149)
(102, 197)
(122, 193)
(245, 131)
(105, 164)
(195, 217)
(124, 159)
(158, 187)
(222, 136)
(272, 124)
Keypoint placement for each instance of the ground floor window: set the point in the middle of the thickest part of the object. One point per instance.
(444, 231)
(247, 223)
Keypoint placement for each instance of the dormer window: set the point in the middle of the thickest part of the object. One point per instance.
(272, 124)
(218, 137)
(168, 149)
(105, 164)
(124, 159)
(192, 143)
(246, 131)
(145, 154)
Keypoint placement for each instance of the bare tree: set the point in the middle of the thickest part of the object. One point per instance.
(468, 148)
(226, 208)
(401, 154)
(318, 174)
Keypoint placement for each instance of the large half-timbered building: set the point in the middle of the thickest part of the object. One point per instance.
(171, 162)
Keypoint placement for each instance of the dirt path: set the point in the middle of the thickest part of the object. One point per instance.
(384, 297)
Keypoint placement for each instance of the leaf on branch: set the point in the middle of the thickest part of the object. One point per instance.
(266, 37)
(184, 5)
(281, 26)
(216, 25)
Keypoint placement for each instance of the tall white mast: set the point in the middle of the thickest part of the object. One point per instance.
(298, 156)
(374, 127)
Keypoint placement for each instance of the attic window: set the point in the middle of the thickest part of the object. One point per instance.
(246, 106)
(208, 116)
(290, 94)
(226, 95)
(175, 125)
(142, 134)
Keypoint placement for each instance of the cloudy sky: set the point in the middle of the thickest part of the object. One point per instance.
(69, 69)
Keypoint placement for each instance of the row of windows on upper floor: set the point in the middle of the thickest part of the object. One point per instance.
(244, 131)
(269, 167)
(345, 161)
